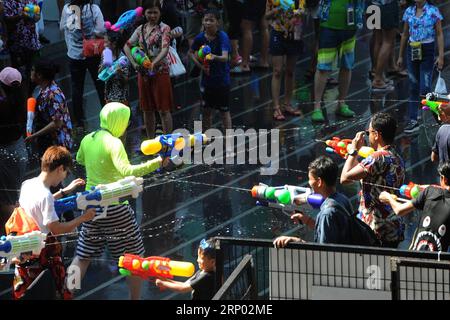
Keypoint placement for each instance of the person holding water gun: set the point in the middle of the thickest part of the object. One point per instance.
(116, 87)
(203, 283)
(155, 91)
(103, 155)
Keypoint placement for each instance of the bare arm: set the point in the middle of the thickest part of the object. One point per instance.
(403, 41)
(400, 209)
(434, 157)
(177, 286)
(440, 42)
(57, 228)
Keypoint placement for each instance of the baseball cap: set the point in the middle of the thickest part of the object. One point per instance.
(9, 75)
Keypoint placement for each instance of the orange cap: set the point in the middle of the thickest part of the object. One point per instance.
(31, 104)
(254, 191)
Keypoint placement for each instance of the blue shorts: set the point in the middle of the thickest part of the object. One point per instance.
(281, 46)
(336, 43)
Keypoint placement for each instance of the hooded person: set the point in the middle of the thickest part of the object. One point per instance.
(103, 155)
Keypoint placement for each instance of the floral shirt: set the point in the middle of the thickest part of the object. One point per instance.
(156, 38)
(22, 35)
(383, 168)
(421, 29)
(116, 87)
(287, 21)
(51, 106)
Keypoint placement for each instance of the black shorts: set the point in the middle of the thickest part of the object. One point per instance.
(281, 46)
(217, 98)
(253, 10)
(390, 16)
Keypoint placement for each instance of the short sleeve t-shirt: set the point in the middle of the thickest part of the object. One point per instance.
(38, 202)
(383, 168)
(442, 143)
(204, 285)
(219, 72)
(332, 222)
(432, 233)
(421, 29)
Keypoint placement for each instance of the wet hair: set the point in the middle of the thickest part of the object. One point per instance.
(207, 248)
(116, 38)
(324, 168)
(46, 68)
(214, 12)
(55, 156)
(386, 125)
(444, 170)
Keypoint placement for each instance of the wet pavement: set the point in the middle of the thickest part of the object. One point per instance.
(177, 210)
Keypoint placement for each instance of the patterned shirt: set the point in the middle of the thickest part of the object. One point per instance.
(116, 87)
(23, 34)
(51, 106)
(157, 38)
(286, 21)
(383, 168)
(421, 29)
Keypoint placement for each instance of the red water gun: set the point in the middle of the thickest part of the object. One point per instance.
(154, 267)
(338, 145)
(412, 190)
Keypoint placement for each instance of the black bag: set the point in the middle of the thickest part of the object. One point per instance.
(360, 233)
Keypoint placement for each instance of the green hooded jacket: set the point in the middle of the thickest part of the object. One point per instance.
(103, 154)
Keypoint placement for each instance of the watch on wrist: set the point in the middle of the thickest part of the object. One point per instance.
(353, 152)
(62, 192)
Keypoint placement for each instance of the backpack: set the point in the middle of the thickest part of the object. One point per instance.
(360, 233)
(20, 223)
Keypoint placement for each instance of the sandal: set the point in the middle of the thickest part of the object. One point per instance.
(290, 110)
(278, 115)
(384, 88)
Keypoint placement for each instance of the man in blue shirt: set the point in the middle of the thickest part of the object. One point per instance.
(332, 224)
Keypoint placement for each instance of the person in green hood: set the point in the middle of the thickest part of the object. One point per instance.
(103, 155)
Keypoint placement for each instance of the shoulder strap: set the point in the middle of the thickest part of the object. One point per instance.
(144, 41)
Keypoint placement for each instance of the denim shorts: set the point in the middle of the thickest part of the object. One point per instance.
(336, 43)
(281, 46)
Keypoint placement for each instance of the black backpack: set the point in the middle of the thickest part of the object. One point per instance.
(360, 233)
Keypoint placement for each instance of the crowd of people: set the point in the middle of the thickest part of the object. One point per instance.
(227, 29)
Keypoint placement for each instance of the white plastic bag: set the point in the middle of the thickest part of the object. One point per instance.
(440, 88)
(176, 67)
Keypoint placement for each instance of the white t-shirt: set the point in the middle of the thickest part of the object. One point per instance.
(37, 201)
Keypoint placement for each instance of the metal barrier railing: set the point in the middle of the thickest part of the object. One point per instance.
(420, 280)
(314, 271)
(241, 284)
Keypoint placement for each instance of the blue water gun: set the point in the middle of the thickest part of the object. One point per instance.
(284, 4)
(164, 144)
(31, 10)
(125, 20)
(110, 71)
